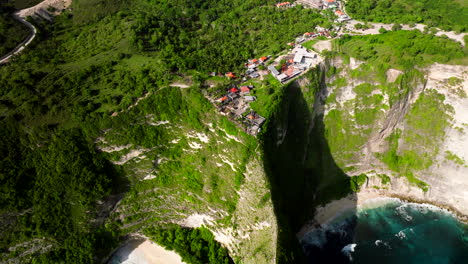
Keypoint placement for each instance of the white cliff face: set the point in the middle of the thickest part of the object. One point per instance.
(448, 180)
(447, 177)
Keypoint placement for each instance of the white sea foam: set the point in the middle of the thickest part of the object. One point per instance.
(422, 208)
(401, 235)
(401, 210)
(380, 243)
(348, 249)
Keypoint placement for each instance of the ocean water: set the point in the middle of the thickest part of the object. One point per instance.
(392, 232)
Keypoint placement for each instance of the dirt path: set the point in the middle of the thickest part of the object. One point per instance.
(180, 85)
(38, 10)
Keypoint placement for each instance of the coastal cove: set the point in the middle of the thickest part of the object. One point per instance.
(365, 199)
(388, 230)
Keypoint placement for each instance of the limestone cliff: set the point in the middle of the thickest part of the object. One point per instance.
(405, 130)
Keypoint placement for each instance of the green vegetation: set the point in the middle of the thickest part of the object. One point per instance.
(358, 181)
(385, 179)
(427, 119)
(426, 123)
(448, 15)
(339, 82)
(453, 157)
(341, 133)
(218, 36)
(196, 246)
(401, 49)
(20, 4)
(98, 61)
(93, 91)
(453, 81)
(362, 26)
(12, 32)
(54, 181)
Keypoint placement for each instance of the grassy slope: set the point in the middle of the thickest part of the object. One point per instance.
(448, 15)
(403, 49)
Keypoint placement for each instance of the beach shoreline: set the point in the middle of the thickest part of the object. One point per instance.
(143, 250)
(365, 200)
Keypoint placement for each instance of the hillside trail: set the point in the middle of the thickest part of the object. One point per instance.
(46, 9)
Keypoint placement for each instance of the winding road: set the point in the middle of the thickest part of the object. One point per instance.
(40, 10)
(4, 59)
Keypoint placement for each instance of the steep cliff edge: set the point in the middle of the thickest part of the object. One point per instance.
(404, 130)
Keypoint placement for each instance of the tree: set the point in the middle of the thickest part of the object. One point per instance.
(382, 30)
(396, 27)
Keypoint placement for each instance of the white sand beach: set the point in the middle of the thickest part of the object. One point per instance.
(146, 252)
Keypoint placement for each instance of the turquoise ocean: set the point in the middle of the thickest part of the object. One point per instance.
(393, 232)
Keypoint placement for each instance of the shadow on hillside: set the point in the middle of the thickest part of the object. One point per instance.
(122, 253)
(303, 175)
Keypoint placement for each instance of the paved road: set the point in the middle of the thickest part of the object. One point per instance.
(4, 59)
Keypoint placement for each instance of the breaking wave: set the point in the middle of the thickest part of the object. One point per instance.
(390, 231)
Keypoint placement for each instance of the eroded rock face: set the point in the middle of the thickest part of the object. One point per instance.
(446, 179)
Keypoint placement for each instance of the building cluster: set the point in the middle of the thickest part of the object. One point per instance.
(342, 17)
(296, 63)
(326, 4)
(229, 75)
(318, 4)
(311, 35)
(235, 104)
(252, 66)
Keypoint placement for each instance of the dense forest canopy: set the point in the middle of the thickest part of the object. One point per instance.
(445, 14)
(196, 246)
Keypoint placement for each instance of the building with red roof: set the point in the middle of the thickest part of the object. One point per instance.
(234, 90)
(245, 89)
(230, 75)
(263, 59)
